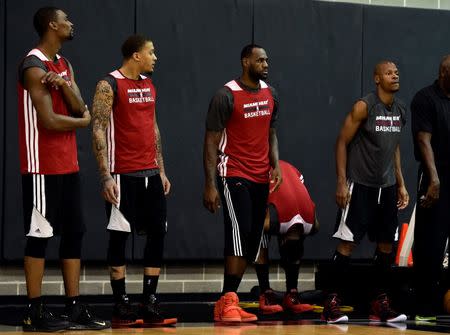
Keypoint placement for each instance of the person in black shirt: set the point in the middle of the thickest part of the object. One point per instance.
(430, 111)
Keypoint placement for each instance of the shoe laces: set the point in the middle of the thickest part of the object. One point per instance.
(269, 298)
(334, 305)
(231, 299)
(44, 313)
(84, 312)
(384, 306)
(294, 297)
(124, 307)
(152, 305)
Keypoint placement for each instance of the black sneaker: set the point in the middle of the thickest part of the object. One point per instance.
(39, 319)
(151, 314)
(332, 310)
(81, 318)
(124, 314)
(381, 311)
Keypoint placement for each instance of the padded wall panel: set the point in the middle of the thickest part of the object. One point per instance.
(2, 116)
(198, 48)
(315, 64)
(100, 27)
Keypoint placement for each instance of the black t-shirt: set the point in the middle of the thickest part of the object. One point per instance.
(222, 104)
(33, 61)
(430, 112)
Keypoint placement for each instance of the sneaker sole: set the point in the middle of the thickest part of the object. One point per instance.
(30, 329)
(217, 319)
(265, 312)
(426, 318)
(165, 322)
(342, 319)
(92, 326)
(299, 311)
(400, 318)
(116, 324)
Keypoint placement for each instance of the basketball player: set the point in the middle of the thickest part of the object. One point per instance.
(370, 186)
(127, 146)
(240, 147)
(430, 110)
(50, 109)
(291, 216)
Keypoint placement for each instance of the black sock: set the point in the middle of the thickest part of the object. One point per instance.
(340, 268)
(70, 301)
(230, 283)
(149, 287)
(34, 301)
(382, 264)
(262, 271)
(118, 288)
(291, 271)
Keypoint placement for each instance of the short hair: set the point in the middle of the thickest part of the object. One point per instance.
(377, 68)
(445, 62)
(42, 18)
(248, 49)
(133, 44)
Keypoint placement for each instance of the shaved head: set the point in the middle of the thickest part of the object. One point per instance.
(380, 65)
(445, 63)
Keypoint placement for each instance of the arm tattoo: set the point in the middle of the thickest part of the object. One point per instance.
(101, 115)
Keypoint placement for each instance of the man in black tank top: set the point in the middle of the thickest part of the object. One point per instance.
(370, 188)
(430, 120)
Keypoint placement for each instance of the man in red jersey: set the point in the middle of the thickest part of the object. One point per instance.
(127, 145)
(50, 109)
(241, 145)
(291, 215)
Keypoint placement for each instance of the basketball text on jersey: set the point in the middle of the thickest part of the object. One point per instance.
(138, 95)
(389, 124)
(255, 109)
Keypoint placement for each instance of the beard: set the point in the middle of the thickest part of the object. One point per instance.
(71, 36)
(256, 76)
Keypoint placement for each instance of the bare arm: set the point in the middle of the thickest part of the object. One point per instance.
(72, 96)
(351, 125)
(211, 198)
(159, 157)
(426, 151)
(101, 115)
(276, 178)
(402, 193)
(34, 81)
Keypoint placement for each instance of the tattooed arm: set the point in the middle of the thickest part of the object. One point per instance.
(159, 157)
(101, 115)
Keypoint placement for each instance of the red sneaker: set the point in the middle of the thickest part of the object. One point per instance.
(226, 308)
(291, 302)
(332, 311)
(381, 311)
(268, 304)
(246, 316)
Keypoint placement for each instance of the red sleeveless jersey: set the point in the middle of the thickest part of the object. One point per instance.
(45, 151)
(244, 146)
(292, 200)
(131, 132)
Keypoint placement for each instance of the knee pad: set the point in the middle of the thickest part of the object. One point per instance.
(291, 251)
(153, 252)
(116, 248)
(70, 246)
(36, 247)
